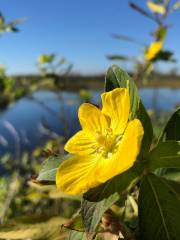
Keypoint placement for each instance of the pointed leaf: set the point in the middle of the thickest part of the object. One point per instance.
(165, 155)
(92, 213)
(126, 38)
(159, 204)
(142, 11)
(118, 58)
(115, 78)
(172, 128)
(47, 175)
(143, 116)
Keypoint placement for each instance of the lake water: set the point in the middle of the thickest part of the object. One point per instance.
(32, 120)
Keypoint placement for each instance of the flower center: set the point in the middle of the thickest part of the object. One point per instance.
(107, 143)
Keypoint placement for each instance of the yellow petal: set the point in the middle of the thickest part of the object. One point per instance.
(116, 105)
(92, 119)
(125, 155)
(82, 143)
(156, 8)
(77, 174)
(153, 50)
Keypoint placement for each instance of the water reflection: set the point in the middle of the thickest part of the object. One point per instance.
(29, 121)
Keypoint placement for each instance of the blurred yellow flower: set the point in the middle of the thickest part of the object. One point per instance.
(156, 8)
(107, 145)
(46, 58)
(42, 59)
(153, 50)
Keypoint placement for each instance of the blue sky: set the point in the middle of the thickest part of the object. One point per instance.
(80, 30)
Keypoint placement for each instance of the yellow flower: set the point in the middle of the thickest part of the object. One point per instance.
(153, 50)
(156, 8)
(107, 145)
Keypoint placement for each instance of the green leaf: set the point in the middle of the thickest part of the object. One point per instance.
(74, 235)
(118, 57)
(160, 33)
(47, 175)
(143, 116)
(75, 223)
(116, 78)
(159, 204)
(165, 155)
(172, 174)
(164, 55)
(118, 185)
(92, 213)
(172, 128)
(127, 39)
(142, 11)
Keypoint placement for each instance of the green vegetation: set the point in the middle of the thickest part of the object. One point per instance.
(140, 203)
(158, 12)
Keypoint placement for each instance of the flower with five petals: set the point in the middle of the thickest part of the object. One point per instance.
(107, 145)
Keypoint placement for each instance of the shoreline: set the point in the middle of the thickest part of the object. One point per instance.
(76, 82)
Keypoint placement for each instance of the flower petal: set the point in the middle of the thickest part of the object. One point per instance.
(153, 50)
(92, 119)
(126, 154)
(82, 143)
(77, 175)
(156, 8)
(116, 105)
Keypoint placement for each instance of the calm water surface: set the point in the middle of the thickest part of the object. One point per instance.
(33, 120)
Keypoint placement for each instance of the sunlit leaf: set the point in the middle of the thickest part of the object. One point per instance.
(47, 175)
(115, 78)
(92, 213)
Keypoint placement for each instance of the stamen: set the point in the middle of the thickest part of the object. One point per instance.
(107, 144)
